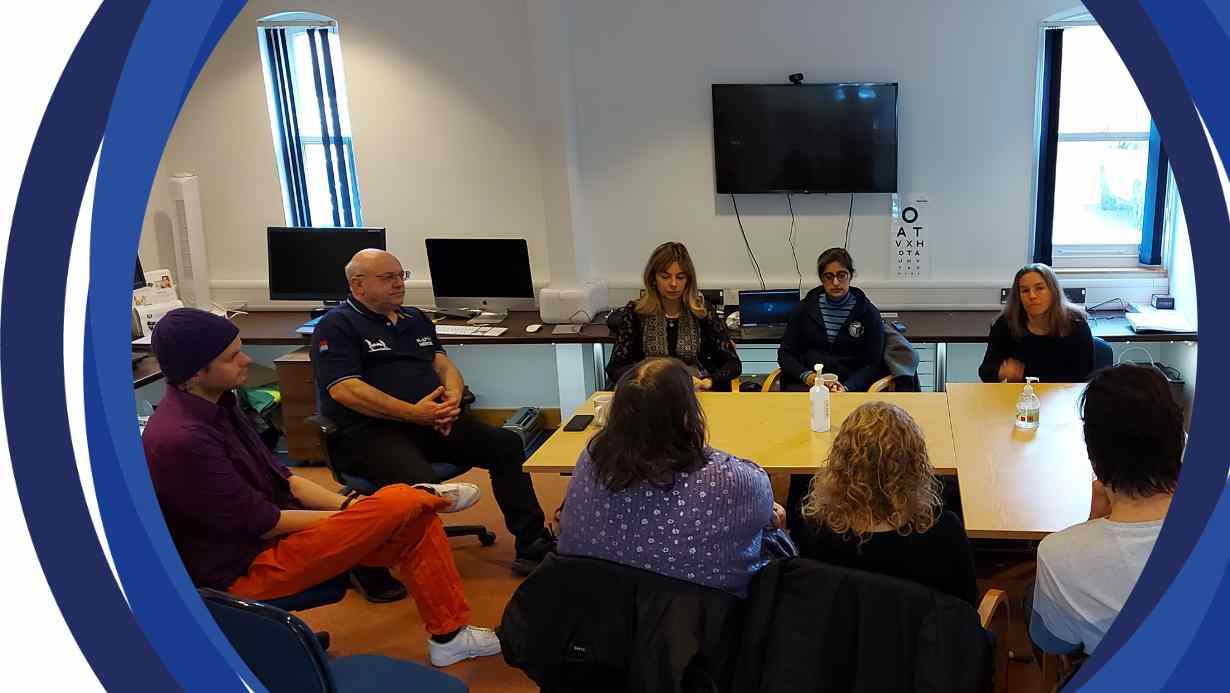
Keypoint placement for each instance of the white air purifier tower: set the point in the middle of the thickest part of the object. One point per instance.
(189, 234)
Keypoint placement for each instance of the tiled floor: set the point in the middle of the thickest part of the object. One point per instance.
(395, 629)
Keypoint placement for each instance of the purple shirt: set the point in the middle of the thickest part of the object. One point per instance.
(219, 487)
(705, 529)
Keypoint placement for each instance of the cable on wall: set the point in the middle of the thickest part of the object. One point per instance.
(849, 220)
(750, 254)
(794, 251)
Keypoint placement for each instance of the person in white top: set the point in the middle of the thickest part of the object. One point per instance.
(1134, 437)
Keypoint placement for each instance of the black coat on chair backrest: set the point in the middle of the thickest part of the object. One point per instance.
(809, 626)
(582, 624)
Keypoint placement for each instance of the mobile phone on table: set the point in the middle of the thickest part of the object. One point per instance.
(578, 422)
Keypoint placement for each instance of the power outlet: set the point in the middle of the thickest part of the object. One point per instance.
(1003, 296)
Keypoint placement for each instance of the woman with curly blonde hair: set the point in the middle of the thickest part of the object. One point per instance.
(875, 506)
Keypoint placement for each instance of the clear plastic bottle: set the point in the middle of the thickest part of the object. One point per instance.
(1028, 407)
(819, 403)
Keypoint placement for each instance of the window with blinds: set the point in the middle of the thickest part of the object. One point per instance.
(308, 114)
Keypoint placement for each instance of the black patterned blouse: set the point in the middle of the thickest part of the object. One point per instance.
(703, 344)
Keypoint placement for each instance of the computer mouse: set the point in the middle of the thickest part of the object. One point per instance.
(533, 328)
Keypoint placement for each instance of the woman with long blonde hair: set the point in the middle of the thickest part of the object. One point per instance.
(1039, 333)
(670, 319)
(875, 506)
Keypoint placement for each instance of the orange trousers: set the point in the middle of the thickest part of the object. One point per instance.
(395, 527)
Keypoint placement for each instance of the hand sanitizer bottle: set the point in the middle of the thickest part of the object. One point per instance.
(1028, 407)
(819, 403)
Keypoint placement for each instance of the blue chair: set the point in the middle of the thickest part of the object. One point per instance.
(284, 654)
(328, 592)
(442, 471)
(1103, 356)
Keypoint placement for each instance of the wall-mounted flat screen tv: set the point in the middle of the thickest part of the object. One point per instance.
(833, 137)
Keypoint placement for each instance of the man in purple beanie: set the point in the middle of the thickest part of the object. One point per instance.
(243, 523)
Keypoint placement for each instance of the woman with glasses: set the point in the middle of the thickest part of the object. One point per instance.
(671, 319)
(835, 325)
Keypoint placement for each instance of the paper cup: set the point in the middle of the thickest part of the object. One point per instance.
(602, 405)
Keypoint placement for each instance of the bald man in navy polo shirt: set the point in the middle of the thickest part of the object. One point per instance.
(384, 377)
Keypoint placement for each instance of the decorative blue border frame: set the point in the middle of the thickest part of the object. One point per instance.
(123, 87)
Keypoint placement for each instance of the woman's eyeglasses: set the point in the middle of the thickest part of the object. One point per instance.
(829, 277)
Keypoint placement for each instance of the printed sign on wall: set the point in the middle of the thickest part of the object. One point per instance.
(909, 246)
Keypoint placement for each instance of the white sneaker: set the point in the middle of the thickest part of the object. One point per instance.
(471, 642)
(459, 496)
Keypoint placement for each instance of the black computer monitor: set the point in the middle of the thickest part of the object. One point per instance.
(308, 264)
(138, 279)
(488, 273)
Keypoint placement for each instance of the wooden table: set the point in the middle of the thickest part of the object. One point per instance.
(1019, 484)
(773, 429)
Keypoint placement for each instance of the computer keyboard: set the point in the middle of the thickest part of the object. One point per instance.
(470, 330)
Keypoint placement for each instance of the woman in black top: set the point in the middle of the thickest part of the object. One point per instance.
(835, 325)
(671, 319)
(1038, 334)
(875, 506)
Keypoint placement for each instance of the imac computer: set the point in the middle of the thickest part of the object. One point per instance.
(491, 274)
(138, 279)
(309, 264)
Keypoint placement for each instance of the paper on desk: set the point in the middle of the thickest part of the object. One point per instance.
(1150, 319)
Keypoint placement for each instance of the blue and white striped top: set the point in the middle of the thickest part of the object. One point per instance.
(834, 315)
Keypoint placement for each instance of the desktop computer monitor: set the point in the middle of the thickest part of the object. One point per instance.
(138, 279)
(488, 273)
(309, 264)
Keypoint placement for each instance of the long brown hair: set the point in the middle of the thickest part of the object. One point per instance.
(659, 260)
(877, 472)
(655, 428)
(1059, 316)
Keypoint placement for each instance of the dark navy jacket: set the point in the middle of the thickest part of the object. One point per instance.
(353, 342)
(856, 355)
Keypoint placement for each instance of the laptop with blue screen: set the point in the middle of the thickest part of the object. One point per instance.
(763, 314)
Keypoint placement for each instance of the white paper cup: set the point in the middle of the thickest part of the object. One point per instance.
(602, 405)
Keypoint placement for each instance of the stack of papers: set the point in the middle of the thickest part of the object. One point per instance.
(157, 298)
(1150, 319)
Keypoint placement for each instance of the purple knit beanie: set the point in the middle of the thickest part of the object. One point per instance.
(186, 340)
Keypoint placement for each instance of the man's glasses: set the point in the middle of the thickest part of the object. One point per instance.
(390, 276)
(829, 277)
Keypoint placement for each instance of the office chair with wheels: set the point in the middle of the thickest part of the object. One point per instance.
(443, 471)
(283, 653)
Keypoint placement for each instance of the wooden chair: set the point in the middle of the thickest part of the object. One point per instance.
(995, 616)
(770, 380)
(884, 384)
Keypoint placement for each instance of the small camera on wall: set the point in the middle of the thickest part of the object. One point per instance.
(796, 78)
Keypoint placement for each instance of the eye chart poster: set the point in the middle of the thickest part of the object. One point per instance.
(909, 246)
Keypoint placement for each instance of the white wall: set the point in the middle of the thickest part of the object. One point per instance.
(464, 112)
(967, 74)
(444, 135)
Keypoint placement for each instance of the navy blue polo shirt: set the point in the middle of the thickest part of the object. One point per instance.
(351, 341)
